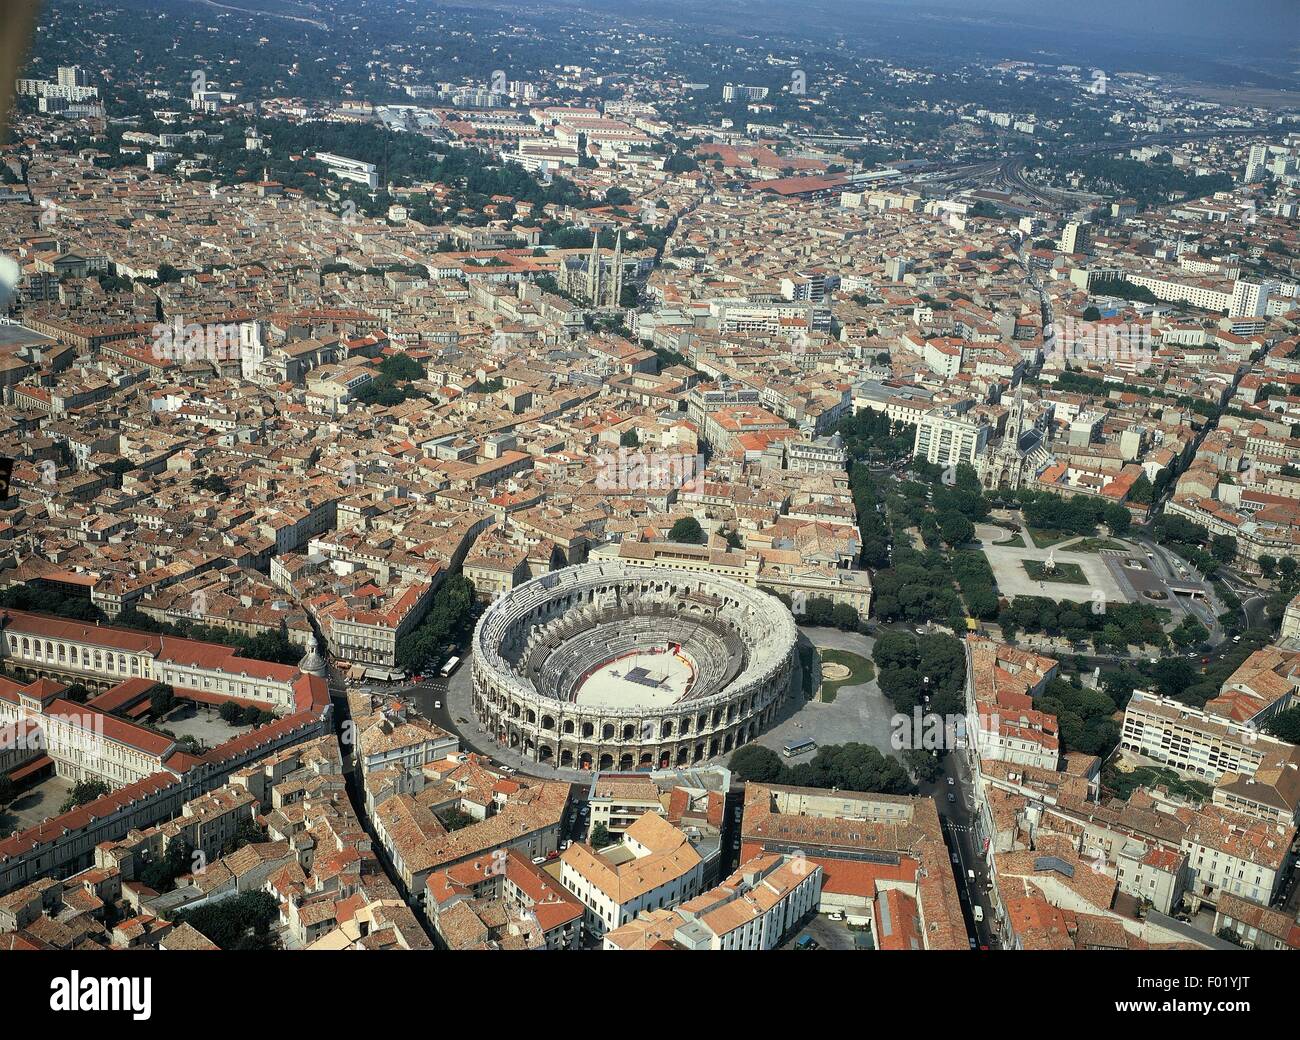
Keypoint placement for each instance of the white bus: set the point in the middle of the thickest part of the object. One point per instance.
(794, 748)
(449, 667)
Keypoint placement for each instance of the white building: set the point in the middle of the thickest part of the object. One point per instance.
(948, 439)
(655, 868)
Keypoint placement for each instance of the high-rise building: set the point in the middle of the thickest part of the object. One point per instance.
(72, 76)
(1256, 163)
(1249, 299)
(1077, 237)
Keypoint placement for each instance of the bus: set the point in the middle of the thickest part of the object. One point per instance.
(793, 748)
(449, 667)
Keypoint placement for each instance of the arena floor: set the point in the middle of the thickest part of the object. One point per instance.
(667, 678)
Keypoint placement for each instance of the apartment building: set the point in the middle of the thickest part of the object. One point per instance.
(946, 438)
(1193, 742)
(617, 802)
(1001, 684)
(756, 908)
(654, 868)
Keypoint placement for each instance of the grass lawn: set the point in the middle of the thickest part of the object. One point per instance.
(1096, 545)
(860, 671)
(1047, 536)
(1016, 541)
(1065, 573)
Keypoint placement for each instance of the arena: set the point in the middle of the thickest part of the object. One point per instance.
(602, 666)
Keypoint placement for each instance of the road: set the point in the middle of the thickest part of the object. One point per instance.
(960, 831)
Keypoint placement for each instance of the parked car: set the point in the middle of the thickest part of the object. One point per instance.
(951, 781)
(951, 797)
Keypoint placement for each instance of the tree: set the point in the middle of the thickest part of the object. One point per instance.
(1223, 547)
(956, 529)
(755, 762)
(924, 764)
(161, 874)
(600, 836)
(1285, 726)
(78, 692)
(240, 923)
(454, 819)
(162, 700)
(687, 530)
(84, 792)
(8, 790)
(230, 712)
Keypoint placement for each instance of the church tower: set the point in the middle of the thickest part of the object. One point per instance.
(593, 271)
(616, 274)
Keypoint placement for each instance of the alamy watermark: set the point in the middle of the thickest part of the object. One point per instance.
(632, 470)
(178, 340)
(1128, 343)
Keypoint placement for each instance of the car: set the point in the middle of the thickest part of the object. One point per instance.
(538, 860)
(970, 875)
(954, 857)
(951, 797)
(1236, 639)
(972, 944)
(417, 678)
(553, 854)
(437, 705)
(565, 844)
(835, 915)
(951, 781)
(977, 912)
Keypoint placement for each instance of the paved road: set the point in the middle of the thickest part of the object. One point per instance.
(959, 827)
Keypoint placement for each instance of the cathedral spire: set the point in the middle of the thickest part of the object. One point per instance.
(593, 271)
(616, 274)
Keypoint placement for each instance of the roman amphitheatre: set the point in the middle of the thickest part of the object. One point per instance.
(606, 666)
